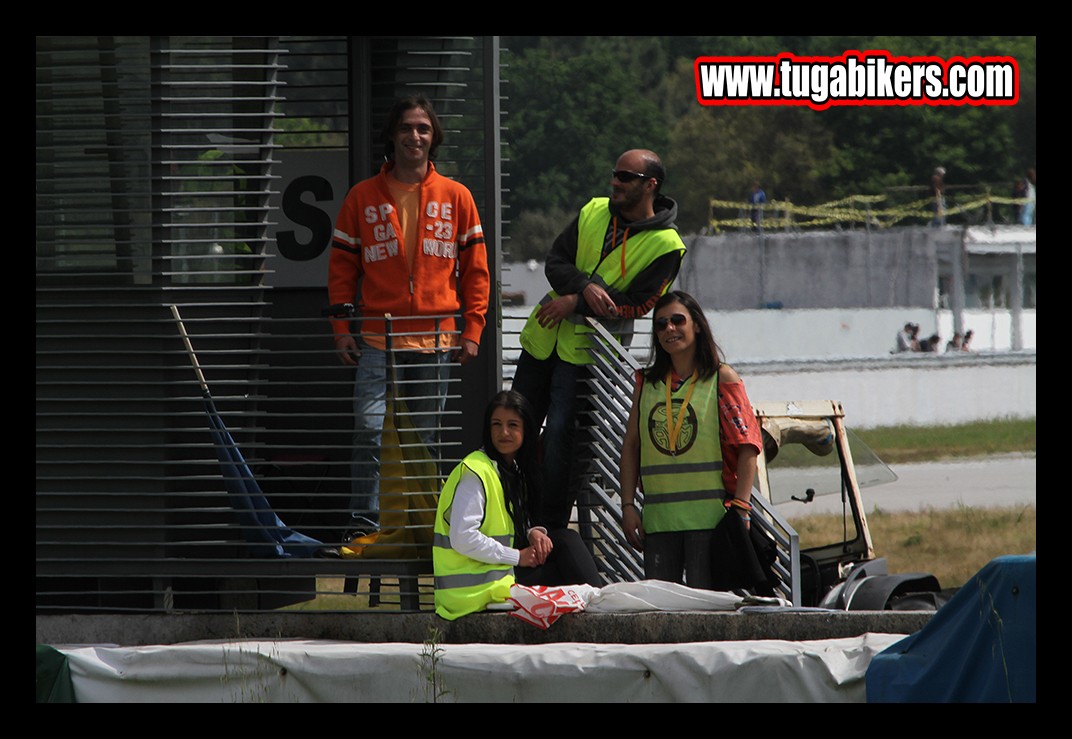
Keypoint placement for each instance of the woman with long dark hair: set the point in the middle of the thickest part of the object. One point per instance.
(691, 445)
(484, 510)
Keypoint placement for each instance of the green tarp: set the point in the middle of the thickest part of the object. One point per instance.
(53, 676)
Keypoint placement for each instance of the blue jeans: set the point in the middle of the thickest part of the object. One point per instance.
(939, 213)
(421, 382)
(1027, 213)
(555, 388)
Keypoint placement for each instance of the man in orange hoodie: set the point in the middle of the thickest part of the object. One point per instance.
(408, 242)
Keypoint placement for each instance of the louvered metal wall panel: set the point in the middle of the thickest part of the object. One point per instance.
(316, 102)
(155, 160)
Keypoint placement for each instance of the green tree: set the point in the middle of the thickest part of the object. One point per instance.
(574, 103)
(717, 152)
(569, 118)
(534, 231)
(886, 146)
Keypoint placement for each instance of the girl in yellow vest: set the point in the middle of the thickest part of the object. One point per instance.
(483, 514)
(690, 446)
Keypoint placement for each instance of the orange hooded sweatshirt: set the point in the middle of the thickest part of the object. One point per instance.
(368, 265)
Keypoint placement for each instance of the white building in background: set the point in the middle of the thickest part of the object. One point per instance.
(814, 315)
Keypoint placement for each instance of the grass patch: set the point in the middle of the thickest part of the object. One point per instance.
(905, 444)
(951, 543)
(330, 596)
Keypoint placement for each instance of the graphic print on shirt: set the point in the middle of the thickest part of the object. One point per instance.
(659, 429)
(386, 240)
(441, 224)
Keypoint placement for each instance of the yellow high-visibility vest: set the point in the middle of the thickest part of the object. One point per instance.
(683, 488)
(462, 584)
(618, 270)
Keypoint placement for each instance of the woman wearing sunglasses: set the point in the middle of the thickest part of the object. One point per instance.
(690, 445)
(483, 513)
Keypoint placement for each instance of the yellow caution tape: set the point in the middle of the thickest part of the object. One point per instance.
(779, 214)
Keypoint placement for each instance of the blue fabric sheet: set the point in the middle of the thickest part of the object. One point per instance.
(978, 648)
(267, 535)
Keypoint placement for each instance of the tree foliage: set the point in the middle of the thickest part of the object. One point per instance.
(575, 103)
(571, 113)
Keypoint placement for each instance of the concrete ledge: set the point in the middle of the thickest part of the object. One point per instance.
(481, 628)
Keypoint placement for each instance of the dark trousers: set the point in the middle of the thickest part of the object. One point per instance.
(555, 389)
(683, 557)
(570, 563)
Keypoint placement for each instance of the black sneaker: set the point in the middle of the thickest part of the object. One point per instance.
(327, 552)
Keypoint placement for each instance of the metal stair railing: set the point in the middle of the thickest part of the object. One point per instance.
(599, 510)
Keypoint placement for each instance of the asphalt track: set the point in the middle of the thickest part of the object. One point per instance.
(984, 483)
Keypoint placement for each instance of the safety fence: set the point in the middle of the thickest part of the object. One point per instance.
(239, 496)
(245, 480)
(241, 500)
(867, 211)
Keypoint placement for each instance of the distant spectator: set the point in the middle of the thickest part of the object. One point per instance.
(965, 346)
(1019, 192)
(757, 199)
(906, 338)
(930, 344)
(938, 196)
(955, 344)
(1027, 210)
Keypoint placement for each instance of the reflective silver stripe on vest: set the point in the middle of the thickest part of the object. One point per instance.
(659, 469)
(443, 582)
(443, 540)
(686, 495)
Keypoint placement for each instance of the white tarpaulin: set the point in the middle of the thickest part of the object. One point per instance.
(829, 670)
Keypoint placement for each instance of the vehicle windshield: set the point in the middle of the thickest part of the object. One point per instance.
(795, 471)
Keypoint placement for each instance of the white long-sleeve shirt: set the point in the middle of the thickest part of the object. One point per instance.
(466, 515)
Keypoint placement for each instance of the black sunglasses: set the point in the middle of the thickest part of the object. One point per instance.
(678, 319)
(625, 176)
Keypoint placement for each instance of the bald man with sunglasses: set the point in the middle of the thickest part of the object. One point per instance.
(614, 260)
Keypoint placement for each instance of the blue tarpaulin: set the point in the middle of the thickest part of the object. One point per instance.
(978, 648)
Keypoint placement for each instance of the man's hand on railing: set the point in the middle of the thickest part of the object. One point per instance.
(346, 348)
(601, 303)
(466, 351)
(551, 314)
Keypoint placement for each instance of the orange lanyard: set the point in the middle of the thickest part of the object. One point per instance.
(675, 428)
(613, 236)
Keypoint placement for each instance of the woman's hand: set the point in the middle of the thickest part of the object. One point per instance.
(634, 529)
(529, 558)
(746, 517)
(540, 543)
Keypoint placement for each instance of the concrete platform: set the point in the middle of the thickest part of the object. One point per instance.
(662, 657)
(480, 628)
